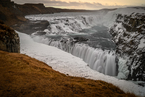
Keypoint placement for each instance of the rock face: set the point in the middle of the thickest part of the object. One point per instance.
(9, 39)
(129, 35)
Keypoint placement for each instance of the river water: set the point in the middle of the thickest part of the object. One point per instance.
(93, 44)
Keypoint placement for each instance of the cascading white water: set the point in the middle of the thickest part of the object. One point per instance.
(97, 59)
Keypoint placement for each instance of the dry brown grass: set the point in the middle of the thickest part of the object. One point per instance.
(21, 75)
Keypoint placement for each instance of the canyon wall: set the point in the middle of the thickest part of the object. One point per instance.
(129, 35)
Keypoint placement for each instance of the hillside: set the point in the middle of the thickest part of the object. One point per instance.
(24, 76)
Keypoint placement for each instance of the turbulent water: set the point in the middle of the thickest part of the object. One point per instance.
(79, 36)
(99, 37)
(95, 50)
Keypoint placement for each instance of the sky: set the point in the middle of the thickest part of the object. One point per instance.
(85, 4)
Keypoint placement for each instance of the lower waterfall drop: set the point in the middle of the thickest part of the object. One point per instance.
(97, 59)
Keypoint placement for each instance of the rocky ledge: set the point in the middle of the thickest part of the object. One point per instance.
(9, 39)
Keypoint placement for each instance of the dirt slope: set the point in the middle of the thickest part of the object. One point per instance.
(24, 76)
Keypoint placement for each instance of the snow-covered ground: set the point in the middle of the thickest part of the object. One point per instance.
(68, 64)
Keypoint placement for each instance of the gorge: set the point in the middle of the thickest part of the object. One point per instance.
(85, 34)
(107, 42)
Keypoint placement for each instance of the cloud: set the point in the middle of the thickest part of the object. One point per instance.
(62, 3)
(77, 5)
(74, 4)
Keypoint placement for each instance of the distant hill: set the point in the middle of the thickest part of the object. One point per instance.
(12, 13)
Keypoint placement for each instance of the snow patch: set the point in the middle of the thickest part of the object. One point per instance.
(142, 43)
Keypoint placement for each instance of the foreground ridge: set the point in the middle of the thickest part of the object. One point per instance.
(24, 76)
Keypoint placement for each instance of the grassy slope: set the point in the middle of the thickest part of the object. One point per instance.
(24, 76)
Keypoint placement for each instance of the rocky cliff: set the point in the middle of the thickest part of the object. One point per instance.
(9, 39)
(129, 35)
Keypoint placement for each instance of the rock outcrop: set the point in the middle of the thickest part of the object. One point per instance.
(129, 35)
(9, 39)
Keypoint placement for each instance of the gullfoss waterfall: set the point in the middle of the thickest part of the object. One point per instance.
(86, 44)
(86, 36)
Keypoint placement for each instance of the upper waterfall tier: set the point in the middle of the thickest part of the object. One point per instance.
(72, 22)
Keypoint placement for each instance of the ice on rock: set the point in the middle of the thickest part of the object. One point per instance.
(123, 71)
(142, 43)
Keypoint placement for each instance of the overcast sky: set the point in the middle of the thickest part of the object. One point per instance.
(85, 4)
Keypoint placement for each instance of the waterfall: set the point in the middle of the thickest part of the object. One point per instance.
(97, 59)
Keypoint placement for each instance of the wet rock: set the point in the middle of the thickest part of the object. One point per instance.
(39, 33)
(30, 27)
(80, 39)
